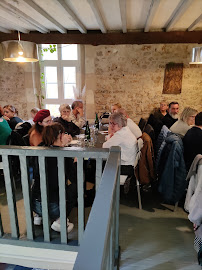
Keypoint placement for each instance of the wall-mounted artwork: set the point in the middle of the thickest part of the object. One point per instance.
(173, 78)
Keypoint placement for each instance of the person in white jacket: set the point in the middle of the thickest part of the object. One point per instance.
(120, 135)
(132, 126)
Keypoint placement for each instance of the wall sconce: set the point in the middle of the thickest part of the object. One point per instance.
(19, 51)
(196, 56)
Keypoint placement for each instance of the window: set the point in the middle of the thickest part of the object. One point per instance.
(61, 71)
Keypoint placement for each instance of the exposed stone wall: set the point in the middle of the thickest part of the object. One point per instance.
(18, 86)
(133, 75)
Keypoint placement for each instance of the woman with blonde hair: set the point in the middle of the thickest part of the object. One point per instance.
(186, 121)
(115, 107)
(10, 115)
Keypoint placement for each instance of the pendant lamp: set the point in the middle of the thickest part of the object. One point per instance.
(19, 51)
(196, 56)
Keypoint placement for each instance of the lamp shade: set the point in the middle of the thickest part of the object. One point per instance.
(196, 56)
(19, 51)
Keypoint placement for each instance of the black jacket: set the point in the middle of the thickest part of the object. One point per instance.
(168, 120)
(70, 127)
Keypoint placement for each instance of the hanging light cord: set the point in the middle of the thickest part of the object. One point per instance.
(18, 36)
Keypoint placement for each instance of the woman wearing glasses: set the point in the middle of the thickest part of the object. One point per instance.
(41, 120)
(120, 135)
(186, 121)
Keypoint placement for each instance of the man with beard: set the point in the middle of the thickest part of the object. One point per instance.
(172, 116)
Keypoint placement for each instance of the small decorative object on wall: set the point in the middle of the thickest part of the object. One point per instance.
(173, 78)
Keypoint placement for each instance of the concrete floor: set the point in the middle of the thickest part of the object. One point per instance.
(152, 238)
(155, 237)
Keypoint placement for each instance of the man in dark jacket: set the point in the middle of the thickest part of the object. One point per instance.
(172, 116)
(193, 141)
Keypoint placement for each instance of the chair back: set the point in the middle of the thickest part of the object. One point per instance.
(142, 124)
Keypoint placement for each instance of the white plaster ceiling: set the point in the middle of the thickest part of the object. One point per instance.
(105, 15)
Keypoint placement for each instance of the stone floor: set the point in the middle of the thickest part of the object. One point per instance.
(155, 238)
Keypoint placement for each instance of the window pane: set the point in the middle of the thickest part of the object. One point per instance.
(48, 55)
(68, 91)
(69, 52)
(51, 74)
(54, 109)
(69, 74)
(51, 90)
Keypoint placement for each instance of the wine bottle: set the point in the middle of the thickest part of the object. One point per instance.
(87, 131)
(96, 121)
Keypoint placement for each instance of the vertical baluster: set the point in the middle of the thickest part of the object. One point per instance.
(1, 227)
(62, 197)
(10, 196)
(44, 198)
(26, 197)
(98, 171)
(80, 199)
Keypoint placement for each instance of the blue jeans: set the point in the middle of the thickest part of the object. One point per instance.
(54, 210)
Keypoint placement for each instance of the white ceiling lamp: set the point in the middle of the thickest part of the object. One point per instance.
(196, 56)
(19, 51)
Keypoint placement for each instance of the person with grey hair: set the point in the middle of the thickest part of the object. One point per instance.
(77, 115)
(64, 120)
(186, 121)
(121, 135)
(132, 126)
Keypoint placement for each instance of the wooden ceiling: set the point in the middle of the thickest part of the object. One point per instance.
(102, 21)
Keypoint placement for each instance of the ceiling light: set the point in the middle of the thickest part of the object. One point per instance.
(196, 56)
(19, 51)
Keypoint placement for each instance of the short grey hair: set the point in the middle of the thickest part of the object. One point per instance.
(64, 106)
(119, 119)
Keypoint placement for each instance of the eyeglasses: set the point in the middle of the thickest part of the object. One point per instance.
(192, 116)
(112, 124)
(47, 122)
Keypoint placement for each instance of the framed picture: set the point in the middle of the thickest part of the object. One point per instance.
(173, 78)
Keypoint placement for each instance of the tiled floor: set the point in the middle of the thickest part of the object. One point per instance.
(155, 238)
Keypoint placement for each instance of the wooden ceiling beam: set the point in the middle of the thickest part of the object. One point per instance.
(181, 8)
(98, 15)
(97, 38)
(152, 11)
(122, 5)
(72, 16)
(12, 25)
(42, 12)
(194, 24)
(21, 16)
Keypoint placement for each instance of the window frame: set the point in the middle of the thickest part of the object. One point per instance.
(59, 64)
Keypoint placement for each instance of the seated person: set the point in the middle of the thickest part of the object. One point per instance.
(41, 120)
(187, 119)
(10, 115)
(33, 112)
(115, 107)
(132, 126)
(160, 112)
(122, 136)
(5, 131)
(54, 136)
(172, 116)
(64, 120)
(193, 141)
(77, 115)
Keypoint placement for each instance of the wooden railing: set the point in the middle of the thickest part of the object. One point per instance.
(40, 253)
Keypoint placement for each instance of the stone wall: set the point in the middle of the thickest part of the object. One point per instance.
(18, 85)
(133, 75)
